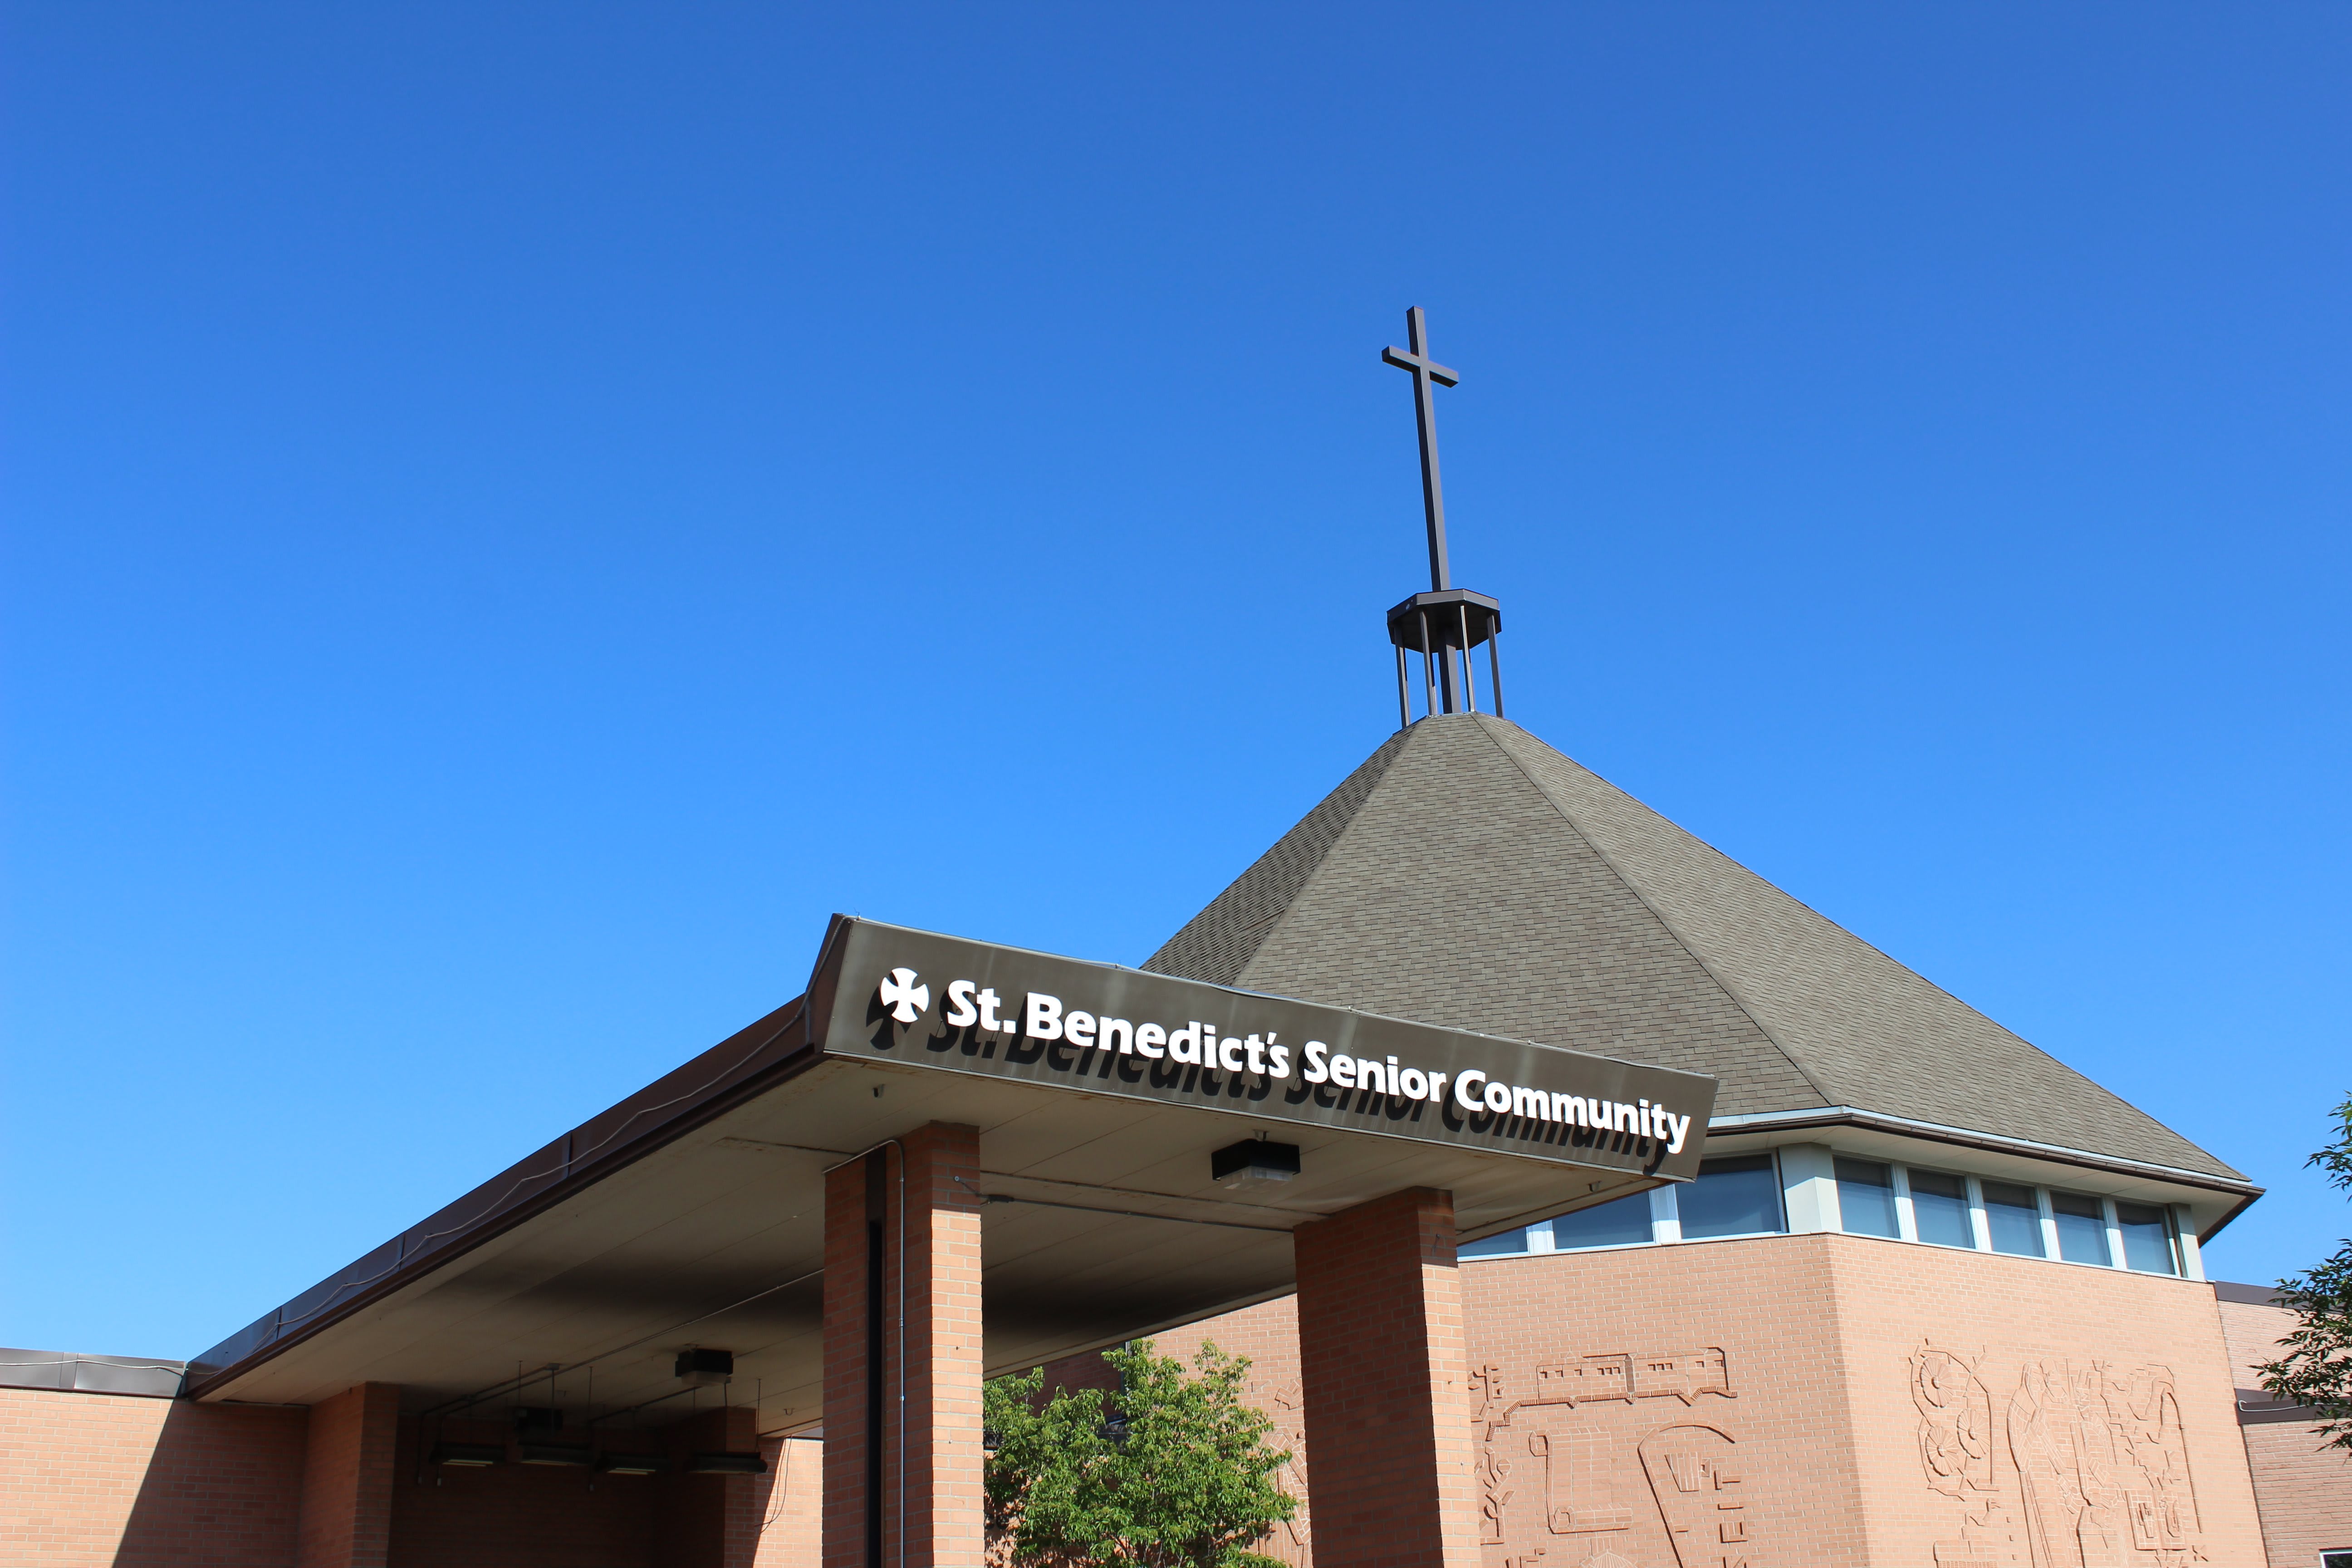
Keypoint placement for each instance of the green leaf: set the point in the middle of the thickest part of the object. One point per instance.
(1191, 1485)
(2316, 1369)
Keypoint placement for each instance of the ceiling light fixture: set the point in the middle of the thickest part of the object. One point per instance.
(1254, 1160)
(552, 1454)
(468, 1456)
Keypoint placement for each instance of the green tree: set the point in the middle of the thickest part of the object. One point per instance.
(2316, 1369)
(1173, 1471)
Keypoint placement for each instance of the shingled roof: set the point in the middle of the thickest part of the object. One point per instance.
(1469, 875)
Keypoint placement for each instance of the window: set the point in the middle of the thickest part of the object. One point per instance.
(2335, 1559)
(1866, 1199)
(2147, 1238)
(1621, 1222)
(2081, 1229)
(1736, 1196)
(1939, 1208)
(1510, 1241)
(1740, 1195)
(2014, 1217)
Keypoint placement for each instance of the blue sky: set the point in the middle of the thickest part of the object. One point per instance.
(516, 513)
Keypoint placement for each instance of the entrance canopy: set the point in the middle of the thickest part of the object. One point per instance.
(1147, 1145)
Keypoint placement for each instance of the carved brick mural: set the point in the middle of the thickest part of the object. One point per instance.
(1695, 1475)
(1602, 1461)
(1824, 1402)
(2086, 1466)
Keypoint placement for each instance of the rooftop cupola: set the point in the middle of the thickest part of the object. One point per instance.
(1443, 624)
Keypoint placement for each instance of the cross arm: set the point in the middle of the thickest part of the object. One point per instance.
(1403, 360)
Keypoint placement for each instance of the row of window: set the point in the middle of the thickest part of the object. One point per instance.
(1735, 1195)
(1946, 1209)
(1741, 1195)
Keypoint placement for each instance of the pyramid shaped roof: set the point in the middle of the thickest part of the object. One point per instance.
(1469, 875)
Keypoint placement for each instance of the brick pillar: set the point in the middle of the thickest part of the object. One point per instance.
(710, 1521)
(347, 1474)
(1385, 1373)
(923, 1405)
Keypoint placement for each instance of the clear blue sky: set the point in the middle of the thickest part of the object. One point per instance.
(516, 513)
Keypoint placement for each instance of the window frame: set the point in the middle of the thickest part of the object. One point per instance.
(2172, 1248)
(1666, 1224)
(1971, 1212)
(2106, 1232)
(1895, 1191)
(1983, 1209)
(1780, 1200)
(1979, 1226)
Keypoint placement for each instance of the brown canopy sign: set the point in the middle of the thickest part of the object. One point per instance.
(885, 993)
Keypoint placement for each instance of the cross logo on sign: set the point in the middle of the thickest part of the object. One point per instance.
(906, 1000)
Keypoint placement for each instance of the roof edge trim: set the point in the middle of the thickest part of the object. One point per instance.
(671, 1107)
(64, 1372)
(1936, 1133)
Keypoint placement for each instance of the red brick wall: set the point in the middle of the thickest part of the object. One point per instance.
(709, 1521)
(511, 1516)
(846, 1259)
(945, 1510)
(1781, 1378)
(1859, 1394)
(792, 1508)
(2303, 1483)
(99, 1480)
(1664, 1405)
(2115, 1383)
(91, 1481)
(346, 1518)
(506, 1516)
(931, 1292)
(1381, 1337)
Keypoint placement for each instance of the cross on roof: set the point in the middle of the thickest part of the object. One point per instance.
(1425, 403)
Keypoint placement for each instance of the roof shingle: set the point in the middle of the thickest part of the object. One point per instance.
(1469, 875)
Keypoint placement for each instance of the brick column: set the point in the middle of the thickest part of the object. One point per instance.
(347, 1475)
(710, 1521)
(900, 1216)
(1385, 1373)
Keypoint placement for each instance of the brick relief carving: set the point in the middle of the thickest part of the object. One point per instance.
(1486, 1392)
(1580, 1487)
(1612, 1476)
(1955, 1422)
(1677, 1374)
(1493, 1471)
(1284, 1405)
(1695, 1479)
(2084, 1468)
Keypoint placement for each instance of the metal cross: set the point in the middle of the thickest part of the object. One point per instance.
(1425, 404)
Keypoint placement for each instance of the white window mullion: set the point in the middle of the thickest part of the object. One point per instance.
(2184, 1233)
(1980, 1227)
(1665, 1214)
(1904, 1221)
(2049, 1222)
(2115, 1234)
